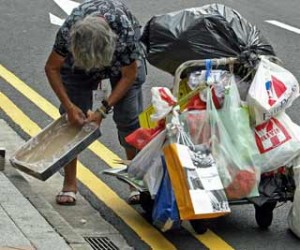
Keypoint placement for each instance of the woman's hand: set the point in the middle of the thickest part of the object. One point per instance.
(94, 117)
(76, 116)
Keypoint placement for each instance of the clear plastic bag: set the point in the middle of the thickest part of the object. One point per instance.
(197, 124)
(233, 145)
(198, 189)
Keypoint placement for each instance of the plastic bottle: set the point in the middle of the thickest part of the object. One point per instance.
(194, 79)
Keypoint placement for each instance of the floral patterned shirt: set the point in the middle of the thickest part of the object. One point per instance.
(121, 21)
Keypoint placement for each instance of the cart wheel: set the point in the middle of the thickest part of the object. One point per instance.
(146, 202)
(264, 214)
(199, 226)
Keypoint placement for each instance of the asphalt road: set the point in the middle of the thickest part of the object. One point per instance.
(26, 39)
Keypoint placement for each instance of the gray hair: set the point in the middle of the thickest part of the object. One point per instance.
(92, 43)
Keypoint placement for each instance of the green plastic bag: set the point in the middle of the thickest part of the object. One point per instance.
(233, 145)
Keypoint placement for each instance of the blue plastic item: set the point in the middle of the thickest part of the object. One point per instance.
(165, 213)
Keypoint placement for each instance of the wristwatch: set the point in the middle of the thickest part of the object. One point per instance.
(102, 112)
(105, 109)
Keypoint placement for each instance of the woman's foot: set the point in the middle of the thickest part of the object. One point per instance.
(134, 197)
(66, 198)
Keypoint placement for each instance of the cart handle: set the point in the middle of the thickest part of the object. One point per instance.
(193, 63)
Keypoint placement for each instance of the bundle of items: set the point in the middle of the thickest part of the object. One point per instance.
(198, 159)
(216, 152)
(272, 90)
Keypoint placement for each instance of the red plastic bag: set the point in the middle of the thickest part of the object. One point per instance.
(195, 103)
(142, 136)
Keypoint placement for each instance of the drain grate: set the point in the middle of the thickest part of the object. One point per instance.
(101, 243)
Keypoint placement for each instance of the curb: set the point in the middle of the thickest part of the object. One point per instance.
(75, 240)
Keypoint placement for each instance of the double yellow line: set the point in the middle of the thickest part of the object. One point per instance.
(148, 234)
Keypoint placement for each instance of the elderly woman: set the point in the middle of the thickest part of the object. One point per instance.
(99, 40)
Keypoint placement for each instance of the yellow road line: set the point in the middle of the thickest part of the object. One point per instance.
(98, 148)
(211, 240)
(32, 95)
(132, 218)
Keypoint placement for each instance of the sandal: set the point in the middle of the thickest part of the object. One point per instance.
(134, 198)
(71, 198)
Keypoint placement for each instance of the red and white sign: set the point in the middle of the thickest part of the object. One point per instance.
(270, 135)
(272, 90)
(275, 89)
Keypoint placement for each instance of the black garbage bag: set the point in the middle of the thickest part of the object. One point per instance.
(210, 31)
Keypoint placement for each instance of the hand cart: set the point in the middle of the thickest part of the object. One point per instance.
(281, 183)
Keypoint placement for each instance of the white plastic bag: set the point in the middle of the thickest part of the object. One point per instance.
(272, 90)
(162, 101)
(294, 214)
(147, 157)
(278, 141)
(153, 177)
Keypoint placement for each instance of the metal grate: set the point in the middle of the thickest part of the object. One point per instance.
(101, 243)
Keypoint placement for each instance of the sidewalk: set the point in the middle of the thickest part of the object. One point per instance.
(30, 218)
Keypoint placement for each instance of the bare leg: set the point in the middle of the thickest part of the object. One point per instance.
(131, 153)
(70, 181)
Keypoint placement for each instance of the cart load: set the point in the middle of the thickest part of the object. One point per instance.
(203, 158)
(221, 136)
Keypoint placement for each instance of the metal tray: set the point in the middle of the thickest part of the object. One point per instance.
(54, 147)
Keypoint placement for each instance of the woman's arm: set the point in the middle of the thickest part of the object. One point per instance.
(52, 69)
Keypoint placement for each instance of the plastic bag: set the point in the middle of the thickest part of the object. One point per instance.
(210, 31)
(194, 176)
(165, 213)
(148, 156)
(195, 103)
(218, 80)
(142, 136)
(162, 101)
(272, 90)
(233, 145)
(152, 178)
(294, 214)
(278, 141)
(197, 126)
(221, 79)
